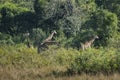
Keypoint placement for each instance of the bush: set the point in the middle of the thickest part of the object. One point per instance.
(21, 56)
(114, 42)
(5, 39)
(90, 61)
(106, 23)
(8, 22)
(37, 36)
(96, 61)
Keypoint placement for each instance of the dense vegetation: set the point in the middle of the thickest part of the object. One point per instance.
(21, 63)
(75, 21)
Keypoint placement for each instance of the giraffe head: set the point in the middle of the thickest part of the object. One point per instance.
(54, 32)
(96, 37)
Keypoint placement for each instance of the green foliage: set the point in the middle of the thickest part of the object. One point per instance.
(21, 3)
(96, 61)
(78, 19)
(103, 60)
(39, 6)
(115, 41)
(9, 11)
(106, 23)
(37, 36)
(87, 5)
(5, 39)
(112, 5)
(62, 14)
(24, 22)
(20, 56)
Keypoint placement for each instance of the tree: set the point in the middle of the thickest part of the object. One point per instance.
(66, 14)
(37, 36)
(111, 5)
(15, 19)
(106, 23)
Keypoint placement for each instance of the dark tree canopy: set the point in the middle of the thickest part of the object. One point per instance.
(74, 20)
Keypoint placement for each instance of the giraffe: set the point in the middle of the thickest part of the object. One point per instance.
(50, 37)
(47, 42)
(88, 43)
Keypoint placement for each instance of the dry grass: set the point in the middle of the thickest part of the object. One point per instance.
(48, 73)
(86, 77)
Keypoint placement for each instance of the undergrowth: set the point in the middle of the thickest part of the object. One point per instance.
(58, 61)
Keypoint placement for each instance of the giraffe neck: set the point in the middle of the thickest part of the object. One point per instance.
(50, 37)
(91, 41)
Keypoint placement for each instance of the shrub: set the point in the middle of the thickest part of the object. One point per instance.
(95, 61)
(37, 36)
(5, 39)
(106, 23)
(90, 61)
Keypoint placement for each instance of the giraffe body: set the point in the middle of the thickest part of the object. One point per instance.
(50, 37)
(88, 43)
(47, 42)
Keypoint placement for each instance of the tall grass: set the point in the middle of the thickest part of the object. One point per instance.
(21, 63)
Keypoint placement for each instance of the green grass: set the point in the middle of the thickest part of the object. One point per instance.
(22, 63)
